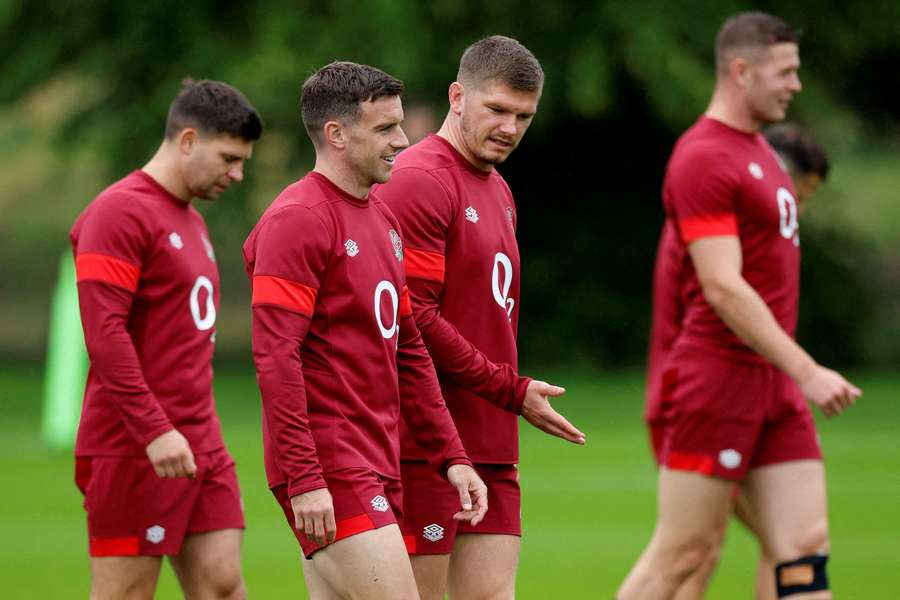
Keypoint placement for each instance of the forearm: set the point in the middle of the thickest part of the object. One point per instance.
(277, 338)
(114, 360)
(746, 314)
(459, 361)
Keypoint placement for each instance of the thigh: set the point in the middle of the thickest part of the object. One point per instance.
(209, 564)
(219, 505)
(505, 497)
(484, 566)
(429, 503)
(430, 571)
(691, 507)
(362, 501)
(130, 510)
(717, 410)
(372, 565)
(124, 577)
(790, 504)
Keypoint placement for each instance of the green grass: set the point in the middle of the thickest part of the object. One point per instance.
(587, 511)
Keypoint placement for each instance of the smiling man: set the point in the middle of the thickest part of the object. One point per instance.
(150, 458)
(459, 221)
(338, 357)
(732, 390)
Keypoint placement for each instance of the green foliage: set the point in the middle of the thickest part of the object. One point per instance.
(85, 87)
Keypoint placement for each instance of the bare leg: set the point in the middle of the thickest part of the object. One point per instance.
(690, 513)
(124, 577)
(483, 567)
(765, 568)
(372, 565)
(431, 575)
(209, 566)
(789, 501)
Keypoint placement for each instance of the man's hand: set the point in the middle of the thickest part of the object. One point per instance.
(828, 390)
(472, 493)
(536, 410)
(314, 515)
(171, 456)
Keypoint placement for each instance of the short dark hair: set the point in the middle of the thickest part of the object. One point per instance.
(335, 92)
(502, 59)
(797, 147)
(213, 107)
(750, 31)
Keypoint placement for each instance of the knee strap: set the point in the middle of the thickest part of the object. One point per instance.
(806, 574)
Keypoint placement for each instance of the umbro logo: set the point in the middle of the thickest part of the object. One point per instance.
(433, 532)
(352, 248)
(175, 240)
(471, 215)
(156, 534)
(209, 248)
(755, 170)
(379, 503)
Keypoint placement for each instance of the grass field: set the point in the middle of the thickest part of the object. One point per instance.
(587, 511)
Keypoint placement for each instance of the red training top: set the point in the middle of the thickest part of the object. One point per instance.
(462, 265)
(148, 288)
(332, 329)
(722, 181)
(669, 274)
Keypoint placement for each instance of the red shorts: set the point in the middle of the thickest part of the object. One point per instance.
(429, 503)
(131, 511)
(721, 417)
(363, 500)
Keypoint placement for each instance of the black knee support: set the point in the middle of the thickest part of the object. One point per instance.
(806, 574)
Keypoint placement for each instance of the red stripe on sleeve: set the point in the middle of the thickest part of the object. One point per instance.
(405, 304)
(693, 228)
(353, 525)
(99, 267)
(410, 542)
(424, 264)
(698, 463)
(284, 293)
(123, 546)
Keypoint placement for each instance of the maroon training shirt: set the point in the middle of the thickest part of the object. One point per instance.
(148, 288)
(722, 181)
(462, 265)
(337, 352)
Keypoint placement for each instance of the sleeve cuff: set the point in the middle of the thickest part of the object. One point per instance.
(305, 484)
(518, 398)
(462, 460)
(144, 439)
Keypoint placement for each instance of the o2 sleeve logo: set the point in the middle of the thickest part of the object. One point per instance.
(787, 210)
(501, 292)
(206, 321)
(383, 287)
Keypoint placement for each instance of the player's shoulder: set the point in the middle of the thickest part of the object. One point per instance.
(125, 201)
(430, 154)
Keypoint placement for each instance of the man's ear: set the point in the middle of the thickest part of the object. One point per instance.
(456, 94)
(334, 134)
(187, 139)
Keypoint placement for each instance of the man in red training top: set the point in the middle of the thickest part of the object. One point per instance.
(807, 163)
(459, 222)
(150, 458)
(734, 386)
(338, 356)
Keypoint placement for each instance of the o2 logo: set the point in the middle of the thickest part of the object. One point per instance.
(787, 210)
(206, 321)
(388, 288)
(501, 293)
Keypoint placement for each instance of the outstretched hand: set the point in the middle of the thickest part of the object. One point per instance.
(536, 409)
(472, 493)
(829, 390)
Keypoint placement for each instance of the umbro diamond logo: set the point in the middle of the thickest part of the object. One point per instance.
(433, 532)
(175, 240)
(471, 215)
(156, 534)
(379, 503)
(730, 459)
(209, 248)
(755, 170)
(352, 248)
